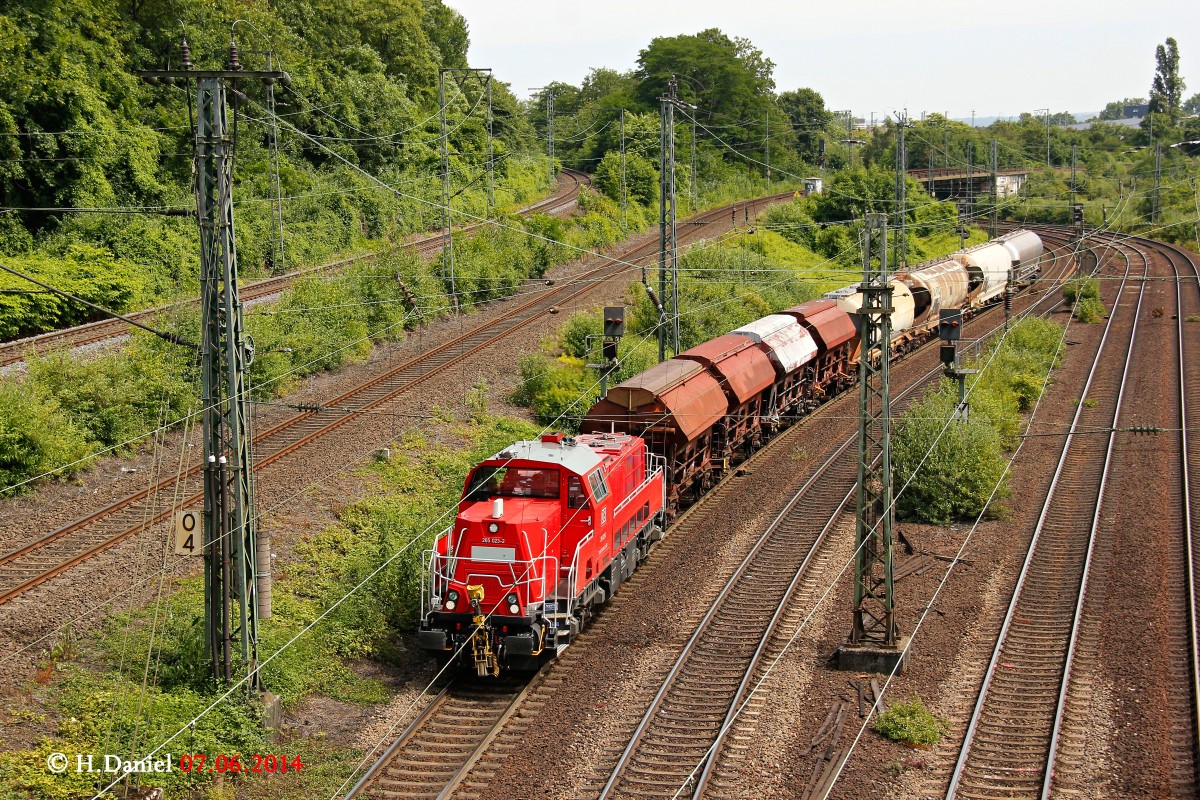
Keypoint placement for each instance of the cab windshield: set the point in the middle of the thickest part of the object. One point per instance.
(488, 482)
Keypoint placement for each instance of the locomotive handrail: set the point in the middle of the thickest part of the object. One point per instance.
(572, 572)
(629, 497)
(542, 557)
(517, 579)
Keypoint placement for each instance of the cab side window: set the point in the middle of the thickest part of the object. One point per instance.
(576, 497)
(599, 485)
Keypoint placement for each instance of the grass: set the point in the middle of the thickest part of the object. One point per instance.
(909, 722)
(1084, 295)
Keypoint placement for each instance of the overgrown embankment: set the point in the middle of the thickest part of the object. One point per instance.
(69, 406)
(142, 677)
(953, 469)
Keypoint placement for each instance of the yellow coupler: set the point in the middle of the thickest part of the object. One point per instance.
(486, 662)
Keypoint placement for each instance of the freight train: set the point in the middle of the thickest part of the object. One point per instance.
(547, 530)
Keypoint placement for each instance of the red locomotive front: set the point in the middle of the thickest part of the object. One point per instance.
(546, 531)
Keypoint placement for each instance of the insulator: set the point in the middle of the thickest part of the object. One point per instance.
(185, 53)
(234, 64)
(1008, 298)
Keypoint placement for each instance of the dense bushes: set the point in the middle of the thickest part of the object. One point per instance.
(948, 470)
(35, 435)
(85, 271)
(1083, 294)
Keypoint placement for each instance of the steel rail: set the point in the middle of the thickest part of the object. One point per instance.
(1077, 620)
(1185, 470)
(405, 736)
(454, 758)
(977, 713)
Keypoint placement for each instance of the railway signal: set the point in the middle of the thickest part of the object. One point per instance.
(950, 332)
(614, 329)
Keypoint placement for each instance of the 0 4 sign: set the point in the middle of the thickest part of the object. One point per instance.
(187, 533)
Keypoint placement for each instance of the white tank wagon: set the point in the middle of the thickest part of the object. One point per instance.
(1025, 248)
(941, 283)
(849, 299)
(988, 266)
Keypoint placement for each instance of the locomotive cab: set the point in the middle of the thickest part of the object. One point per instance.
(541, 537)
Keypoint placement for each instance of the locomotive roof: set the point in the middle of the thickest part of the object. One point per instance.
(576, 457)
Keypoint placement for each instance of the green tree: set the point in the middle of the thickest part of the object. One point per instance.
(1192, 104)
(641, 178)
(722, 76)
(1057, 118)
(805, 109)
(1166, 90)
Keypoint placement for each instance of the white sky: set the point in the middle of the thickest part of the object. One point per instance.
(865, 55)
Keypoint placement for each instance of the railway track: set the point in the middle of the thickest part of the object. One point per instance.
(430, 757)
(1109, 663)
(713, 674)
(52, 554)
(674, 751)
(93, 332)
(1186, 738)
(690, 714)
(1013, 732)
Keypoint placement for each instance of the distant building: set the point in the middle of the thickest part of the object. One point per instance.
(1126, 122)
(813, 186)
(1140, 110)
(958, 184)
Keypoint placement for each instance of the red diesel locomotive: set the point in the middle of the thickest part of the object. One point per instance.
(545, 532)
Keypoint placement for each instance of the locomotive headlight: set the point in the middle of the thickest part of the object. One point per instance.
(514, 609)
(450, 604)
(512, 598)
(452, 595)
(493, 527)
